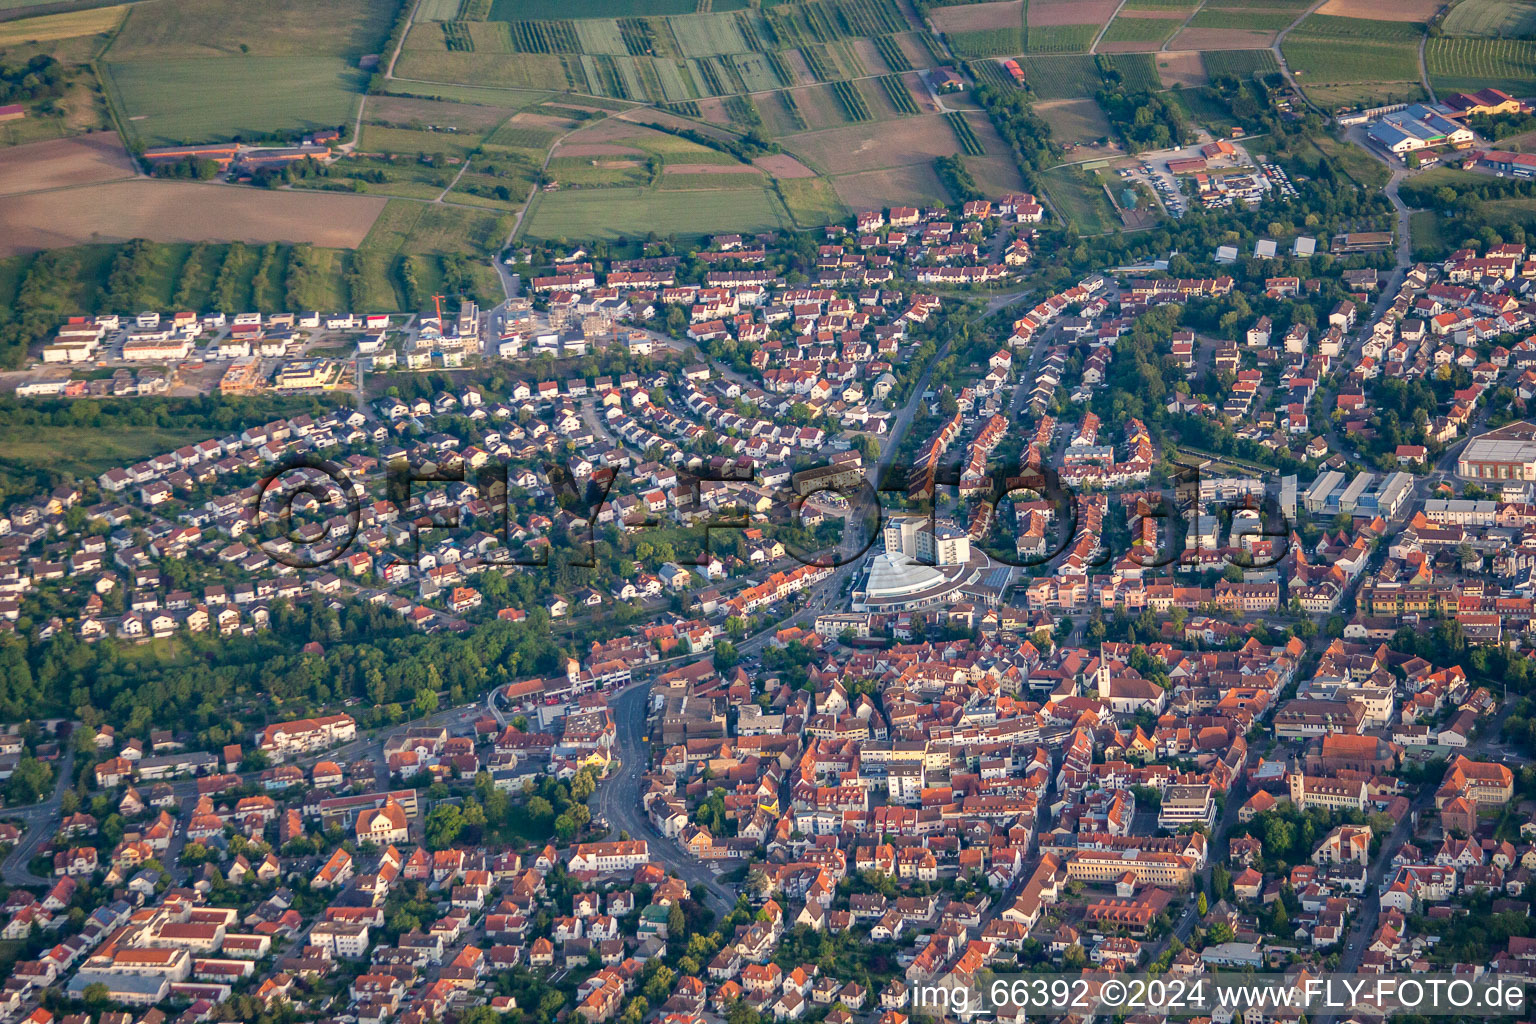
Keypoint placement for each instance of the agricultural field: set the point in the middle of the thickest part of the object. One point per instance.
(1492, 19)
(916, 184)
(1044, 13)
(1464, 64)
(619, 213)
(409, 112)
(659, 54)
(1137, 70)
(1061, 77)
(1074, 122)
(898, 95)
(1343, 61)
(1220, 39)
(1128, 32)
(209, 99)
(1061, 38)
(854, 148)
(97, 22)
(1375, 10)
(812, 201)
(1250, 20)
(992, 42)
(965, 135)
(979, 17)
(170, 30)
(1239, 64)
(83, 160)
(507, 10)
(174, 211)
(1183, 69)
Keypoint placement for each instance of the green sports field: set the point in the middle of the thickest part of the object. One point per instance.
(211, 99)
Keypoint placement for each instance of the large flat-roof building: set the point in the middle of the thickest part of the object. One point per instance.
(1508, 453)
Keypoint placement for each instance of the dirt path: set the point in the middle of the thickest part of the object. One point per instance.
(1280, 57)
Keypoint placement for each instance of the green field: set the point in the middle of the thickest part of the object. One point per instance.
(811, 201)
(1079, 198)
(1253, 21)
(1153, 31)
(1239, 63)
(1328, 26)
(1362, 167)
(510, 10)
(1326, 50)
(1425, 227)
(1346, 62)
(1137, 70)
(89, 453)
(1062, 77)
(212, 99)
(1203, 106)
(1493, 19)
(168, 30)
(1061, 38)
(1471, 64)
(620, 213)
(996, 42)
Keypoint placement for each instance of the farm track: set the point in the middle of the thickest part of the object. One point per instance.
(1169, 41)
(1093, 47)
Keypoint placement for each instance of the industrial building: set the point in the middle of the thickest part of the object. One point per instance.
(1368, 494)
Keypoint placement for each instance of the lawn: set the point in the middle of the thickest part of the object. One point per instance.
(1425, 227)
(619, 213)
(212, 99)
(1471, 64)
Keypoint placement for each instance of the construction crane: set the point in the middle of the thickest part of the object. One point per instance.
(437, 300)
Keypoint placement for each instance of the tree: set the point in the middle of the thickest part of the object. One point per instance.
(660, 986)
(565, 827)
(1202, 906)
(677, 924)
(540, 809)
(426, 701)
(97, 996)
(444, 823)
